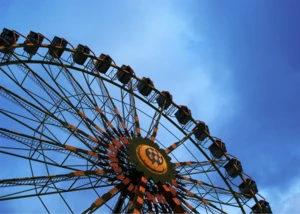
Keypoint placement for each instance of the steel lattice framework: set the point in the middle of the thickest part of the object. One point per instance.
(108, 132)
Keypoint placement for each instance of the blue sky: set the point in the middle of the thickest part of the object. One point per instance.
(234, 63)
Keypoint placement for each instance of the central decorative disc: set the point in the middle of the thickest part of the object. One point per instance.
(152, 159)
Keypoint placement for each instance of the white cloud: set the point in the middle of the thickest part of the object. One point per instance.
(284, 200)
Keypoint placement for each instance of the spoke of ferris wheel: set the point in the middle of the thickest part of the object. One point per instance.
(159, 203)
(111, 105)
(154, 124)
(28, 119)
(36, 143)
(214, 196)
(40, 114)
(171, 199)
(18, 139)
(152, 204)
(175, 191)
(54, 95)
(107, 103)
(149, 202)
(30, 94)
(156, 207)
(22, 121)
(119, 204)
(108, 195)
(155, 128)
(205, 186)
(123, 201)
(54, 178)
(135, 116)
(131, 193)
(129, 111)
(49, 183)
(48, 190)
(79, 105)
(138, 200)
(80, 113)
(205, 203)
(94, 95)
(200, 169)
(79, 91)
(163, 203)
(192, 167)
(28, 70)
(166, 203)
(190, 207)
(52, 161)
(174, 146)
(5, 150)
(218, 201)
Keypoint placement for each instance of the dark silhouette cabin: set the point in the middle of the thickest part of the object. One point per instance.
(124, 74)
(34, 38)
(201, 128)
(7, 38)
(79, 56)
(233, 167)
(265, 207)
(245, 189)
(217, 148)
(60, 42)
(164, 99)
(103, 65)
(183, 115)
(145, 86)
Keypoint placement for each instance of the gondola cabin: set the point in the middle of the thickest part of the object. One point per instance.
(34, 38)
(183, 115)
(201, 128)
(103, 65)
(7, 38)
(145, 86)
(265, 207)
(245, 189)
(125, 73)
(231, 166)
(164, 100)
(59, 42)
(217, 149)
(79, 56)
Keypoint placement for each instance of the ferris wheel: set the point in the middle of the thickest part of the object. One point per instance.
(82, 125)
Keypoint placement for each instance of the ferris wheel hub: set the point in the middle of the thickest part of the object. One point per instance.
(151, 160)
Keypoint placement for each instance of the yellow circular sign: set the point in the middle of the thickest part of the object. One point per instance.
(151, 159)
